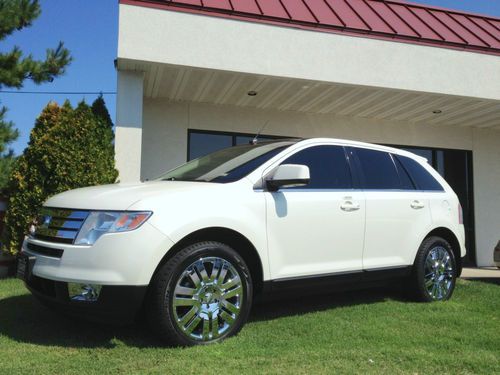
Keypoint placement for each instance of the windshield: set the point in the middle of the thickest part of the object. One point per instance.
(227, 165)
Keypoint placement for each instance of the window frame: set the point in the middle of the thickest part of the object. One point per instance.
(361, 174)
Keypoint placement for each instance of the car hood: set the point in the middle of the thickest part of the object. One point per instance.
(123, 196)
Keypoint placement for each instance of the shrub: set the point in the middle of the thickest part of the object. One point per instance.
(68, 148)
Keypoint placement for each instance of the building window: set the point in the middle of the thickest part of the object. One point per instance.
(203, 142)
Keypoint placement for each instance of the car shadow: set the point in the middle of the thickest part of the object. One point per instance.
(23, 319)
(274, 307)
(488, 280)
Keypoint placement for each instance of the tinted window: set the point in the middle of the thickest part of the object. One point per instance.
(248, 167)
(328, 167)
(226, 165)
(406, 182)
(378, 169)
(422, 178)
(201, 144)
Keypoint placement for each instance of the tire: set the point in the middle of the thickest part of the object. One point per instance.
(190, 304)
(434, 271)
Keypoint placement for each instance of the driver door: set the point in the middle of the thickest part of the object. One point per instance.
(316, 229)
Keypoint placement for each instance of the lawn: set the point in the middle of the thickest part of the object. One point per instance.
(356, 332)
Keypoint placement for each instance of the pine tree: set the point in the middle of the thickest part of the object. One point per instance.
(68, 148)
(16, 68)
(7, 135)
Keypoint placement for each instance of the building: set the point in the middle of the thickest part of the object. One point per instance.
(195, 76)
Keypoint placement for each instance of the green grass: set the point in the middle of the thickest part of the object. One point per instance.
(356, 332)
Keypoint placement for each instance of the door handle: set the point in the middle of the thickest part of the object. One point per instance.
(348, 206)
(417, 205)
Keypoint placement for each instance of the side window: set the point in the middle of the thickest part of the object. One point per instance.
(406, 182)
(378, 169)
(422, 178)
(328, 167)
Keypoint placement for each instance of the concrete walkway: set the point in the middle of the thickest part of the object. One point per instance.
(487, 274)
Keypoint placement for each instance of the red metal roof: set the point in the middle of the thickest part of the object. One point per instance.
(383, 19)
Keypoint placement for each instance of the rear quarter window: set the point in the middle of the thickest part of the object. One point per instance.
(420, 176)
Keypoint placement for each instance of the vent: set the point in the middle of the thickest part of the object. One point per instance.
(47, 251)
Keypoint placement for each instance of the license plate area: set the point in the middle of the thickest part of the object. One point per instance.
(24, 266)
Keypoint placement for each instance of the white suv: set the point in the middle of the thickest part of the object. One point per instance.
(195, 246)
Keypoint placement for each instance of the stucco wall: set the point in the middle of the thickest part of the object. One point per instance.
(486, 161)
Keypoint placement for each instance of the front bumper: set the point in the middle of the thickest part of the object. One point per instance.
(116, 304)
(128, 258)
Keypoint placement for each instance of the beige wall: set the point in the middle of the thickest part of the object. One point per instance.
(486, 164)
(164, 145)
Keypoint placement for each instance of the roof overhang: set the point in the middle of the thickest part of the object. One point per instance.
(196, 58)
(187, 84)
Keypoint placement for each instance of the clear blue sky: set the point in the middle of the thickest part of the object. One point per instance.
(89, 29)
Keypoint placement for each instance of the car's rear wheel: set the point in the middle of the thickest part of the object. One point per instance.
(201, 295)
(434, 273)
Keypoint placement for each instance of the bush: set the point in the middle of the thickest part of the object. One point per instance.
(68, 148)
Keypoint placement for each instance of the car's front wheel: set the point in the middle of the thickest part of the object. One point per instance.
(434, 273)
(201, 295)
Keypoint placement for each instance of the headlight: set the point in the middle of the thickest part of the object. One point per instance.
(101, 222)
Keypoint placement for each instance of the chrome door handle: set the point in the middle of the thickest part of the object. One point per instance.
(417, 205)
(349, 206)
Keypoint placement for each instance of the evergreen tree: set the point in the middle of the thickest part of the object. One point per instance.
(7, 135)
(16, 68)
(68, 148)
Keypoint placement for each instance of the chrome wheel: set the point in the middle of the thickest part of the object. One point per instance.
(438, 273)
(207, 299)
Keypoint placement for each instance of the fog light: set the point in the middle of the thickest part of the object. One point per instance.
(84, 292)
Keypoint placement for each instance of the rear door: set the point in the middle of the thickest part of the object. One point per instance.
(396, 212)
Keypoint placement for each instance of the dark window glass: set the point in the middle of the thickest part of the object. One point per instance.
(378, 169)
(227, 165)
(243, 139)
(422, 178)
(404, 177)
(201, 144)
(328, 167)
(440, 161)
(245, 169)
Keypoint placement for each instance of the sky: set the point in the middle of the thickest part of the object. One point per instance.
(89, 29)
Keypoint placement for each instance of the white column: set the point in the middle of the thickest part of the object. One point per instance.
(128, 132)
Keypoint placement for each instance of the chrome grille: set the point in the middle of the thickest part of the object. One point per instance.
(59, 224)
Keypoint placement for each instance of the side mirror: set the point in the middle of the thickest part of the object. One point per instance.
(287, 175)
